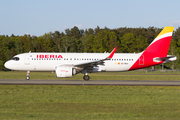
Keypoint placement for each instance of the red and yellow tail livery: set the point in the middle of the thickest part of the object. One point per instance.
(156, 50)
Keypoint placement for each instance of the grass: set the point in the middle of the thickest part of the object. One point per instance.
(44, 102)
(131, 75)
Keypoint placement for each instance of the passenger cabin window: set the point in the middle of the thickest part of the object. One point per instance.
(15, 58)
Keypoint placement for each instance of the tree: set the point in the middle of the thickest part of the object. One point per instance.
(88, 39)
(57, 39)
(140, 43)
(97, 30)
(176, 35)
(90, 43)
(89, 31)
(113, 42)
(18, 46)
(76, 33)
(29, 43)
(173, 51)
(127, 43)
(66, 42)
(47, 42)
(37, 44)
(101, 41)
(8, 48)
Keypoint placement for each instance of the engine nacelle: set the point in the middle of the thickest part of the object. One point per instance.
(65, 71)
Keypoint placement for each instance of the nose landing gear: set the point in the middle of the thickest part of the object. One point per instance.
(28, 77)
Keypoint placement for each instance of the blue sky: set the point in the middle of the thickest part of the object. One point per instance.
(37, 17)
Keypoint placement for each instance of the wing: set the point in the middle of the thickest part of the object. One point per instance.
(91, 64)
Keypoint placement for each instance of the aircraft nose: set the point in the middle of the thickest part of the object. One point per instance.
(7, 65)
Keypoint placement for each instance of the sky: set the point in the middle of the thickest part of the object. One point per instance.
(37, 17)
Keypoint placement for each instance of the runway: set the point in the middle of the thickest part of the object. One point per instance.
(90, 82)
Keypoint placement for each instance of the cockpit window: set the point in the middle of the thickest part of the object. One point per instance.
(15, 58)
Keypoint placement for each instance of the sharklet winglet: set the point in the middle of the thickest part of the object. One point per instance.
(112, 53)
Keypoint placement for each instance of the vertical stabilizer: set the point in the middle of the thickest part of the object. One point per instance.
(158, 49)
(160, 45)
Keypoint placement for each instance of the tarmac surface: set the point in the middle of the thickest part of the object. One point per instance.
(90, 82)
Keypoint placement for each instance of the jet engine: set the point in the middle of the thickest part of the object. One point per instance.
(65, 71)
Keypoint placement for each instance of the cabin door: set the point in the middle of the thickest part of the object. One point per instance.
(27, 60)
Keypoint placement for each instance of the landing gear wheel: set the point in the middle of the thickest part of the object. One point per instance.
(86, 77)
(28, 73)
(27, 78)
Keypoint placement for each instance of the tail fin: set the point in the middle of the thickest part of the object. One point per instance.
(156, 52)
(160, 45)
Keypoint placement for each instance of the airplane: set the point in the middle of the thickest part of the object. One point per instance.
(69, 64)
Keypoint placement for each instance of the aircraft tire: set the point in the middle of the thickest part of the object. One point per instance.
(27, 78)
(86, 77)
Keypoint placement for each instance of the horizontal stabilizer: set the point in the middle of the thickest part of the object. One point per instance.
(167, 59)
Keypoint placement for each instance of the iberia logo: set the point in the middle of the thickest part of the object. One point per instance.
(63, 70)
(49, 56)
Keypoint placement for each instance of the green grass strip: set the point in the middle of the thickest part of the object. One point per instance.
(131, 75)
(45, 102)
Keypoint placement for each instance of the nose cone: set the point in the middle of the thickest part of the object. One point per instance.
(8, 65)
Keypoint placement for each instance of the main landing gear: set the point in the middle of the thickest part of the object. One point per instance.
(28, 73)
(86, 77)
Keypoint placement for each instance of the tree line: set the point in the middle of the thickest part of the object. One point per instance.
(128, 40)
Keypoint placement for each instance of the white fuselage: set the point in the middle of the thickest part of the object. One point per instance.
(48, 61)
